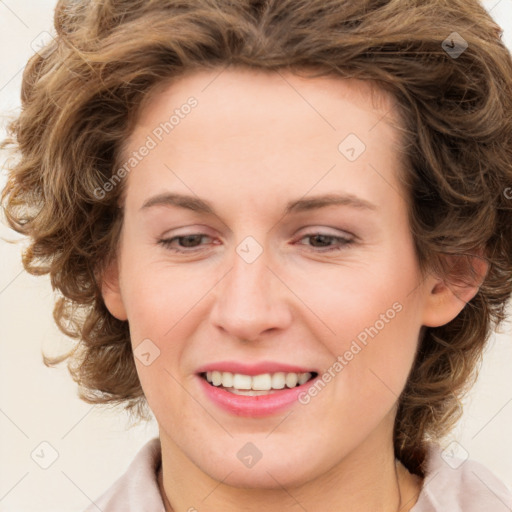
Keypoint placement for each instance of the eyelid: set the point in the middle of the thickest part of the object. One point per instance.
(326, 230)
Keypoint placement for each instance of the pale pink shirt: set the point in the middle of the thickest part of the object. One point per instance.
(451, 484)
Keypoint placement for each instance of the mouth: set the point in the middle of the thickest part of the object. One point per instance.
(256, 385)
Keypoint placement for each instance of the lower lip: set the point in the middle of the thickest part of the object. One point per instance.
(254, 406)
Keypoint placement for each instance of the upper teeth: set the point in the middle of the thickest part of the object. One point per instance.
(263, 382)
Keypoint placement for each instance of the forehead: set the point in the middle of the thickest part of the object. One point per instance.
(260, 127)
(228, 87)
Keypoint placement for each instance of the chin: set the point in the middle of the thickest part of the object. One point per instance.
(270, 473)
(266, 477)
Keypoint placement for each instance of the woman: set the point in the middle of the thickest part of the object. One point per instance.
(283, 228)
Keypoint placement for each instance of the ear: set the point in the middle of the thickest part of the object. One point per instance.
(447, 296)
(111, 292)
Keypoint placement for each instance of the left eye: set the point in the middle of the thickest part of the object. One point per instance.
(342, 242)
(192, 241)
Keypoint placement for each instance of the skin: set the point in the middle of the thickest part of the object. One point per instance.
(255, 141)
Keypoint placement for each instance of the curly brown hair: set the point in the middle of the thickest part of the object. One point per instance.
(81, 96)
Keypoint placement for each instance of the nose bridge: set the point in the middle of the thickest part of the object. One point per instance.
(250, 299)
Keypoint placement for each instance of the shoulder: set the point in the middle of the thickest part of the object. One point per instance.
(137, 489)
(458, 484)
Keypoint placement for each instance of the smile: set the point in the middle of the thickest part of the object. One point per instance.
(256, 385)
(257, 395)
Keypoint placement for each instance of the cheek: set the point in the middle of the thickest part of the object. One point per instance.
(373, 361)
(165, 304)
(374, 320)
(156, 293)
(381, 354)
(161, 316)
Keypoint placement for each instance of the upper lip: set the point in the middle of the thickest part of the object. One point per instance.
(254, 368)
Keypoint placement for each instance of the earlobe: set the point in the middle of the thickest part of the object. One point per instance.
(111, 291)
(448, 296)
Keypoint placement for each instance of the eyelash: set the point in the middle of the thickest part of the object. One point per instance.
(166, 242)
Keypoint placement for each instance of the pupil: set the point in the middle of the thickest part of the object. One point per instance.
(325, 238)
(190, 238)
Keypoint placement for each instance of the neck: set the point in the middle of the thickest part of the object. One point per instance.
(384, 485)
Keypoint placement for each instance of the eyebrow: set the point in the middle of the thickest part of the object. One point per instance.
(300, 205)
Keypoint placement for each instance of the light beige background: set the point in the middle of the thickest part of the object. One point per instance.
(94, 447)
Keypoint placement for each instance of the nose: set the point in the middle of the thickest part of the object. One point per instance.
(252, 300)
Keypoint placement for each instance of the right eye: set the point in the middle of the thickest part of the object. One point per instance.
(190, 241)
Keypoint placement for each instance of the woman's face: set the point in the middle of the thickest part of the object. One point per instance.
(268, 273)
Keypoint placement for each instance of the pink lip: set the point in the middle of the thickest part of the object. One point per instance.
(253, 369)
(254, 406)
